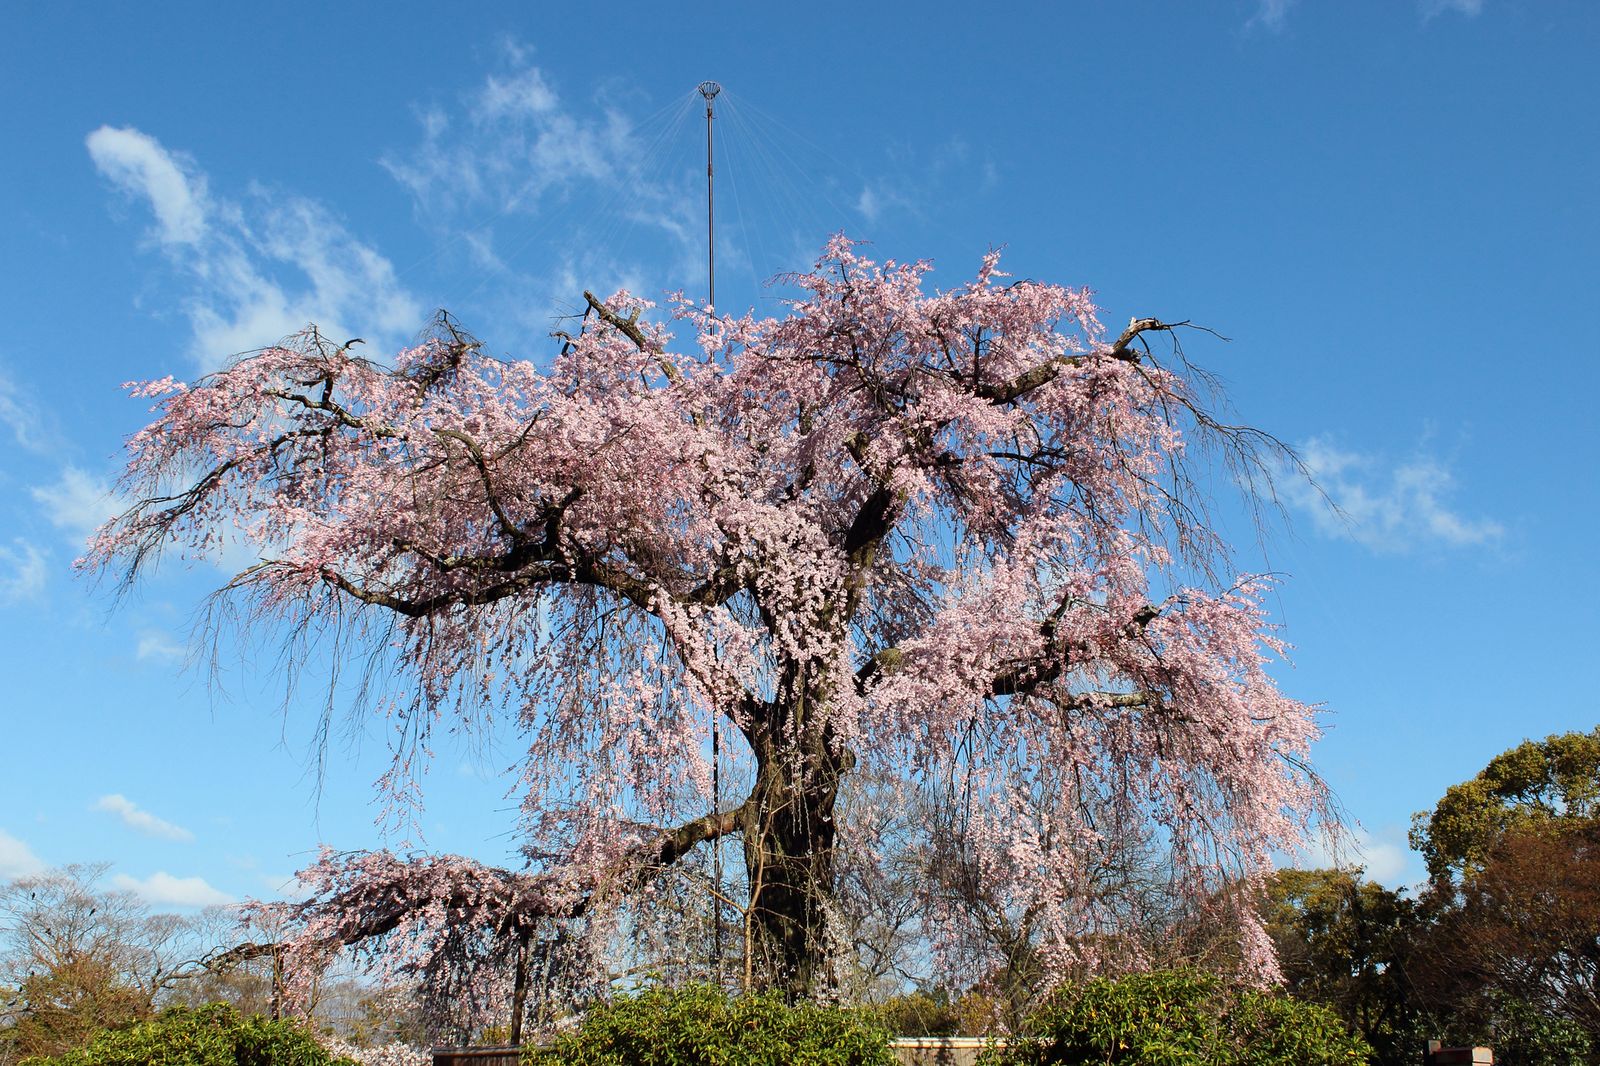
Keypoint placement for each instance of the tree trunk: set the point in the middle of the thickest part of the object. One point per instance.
(789, 836)
(519, 988)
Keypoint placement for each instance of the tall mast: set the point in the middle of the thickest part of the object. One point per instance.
(709, 90)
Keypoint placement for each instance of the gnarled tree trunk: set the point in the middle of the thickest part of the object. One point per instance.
(789, 834)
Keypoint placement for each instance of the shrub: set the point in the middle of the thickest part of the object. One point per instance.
(1268, 1028)
(701, 1025)
(922, 1014)
(213, 1035)
(1179, 1019)
(918, 1014)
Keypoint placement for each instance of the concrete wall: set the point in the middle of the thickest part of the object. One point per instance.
(940, 1050)
(908, 1051)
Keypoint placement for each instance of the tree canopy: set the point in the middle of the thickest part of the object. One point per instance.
(956, 539)
(1347, 942)
(76, 957)
(1532, 786)
(1513, 949)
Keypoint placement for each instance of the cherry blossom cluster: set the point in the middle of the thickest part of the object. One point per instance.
(391, 1054)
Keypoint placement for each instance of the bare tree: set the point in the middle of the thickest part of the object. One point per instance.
(75, 957)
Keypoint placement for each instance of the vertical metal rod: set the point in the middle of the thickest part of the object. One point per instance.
(711, 243)
(709, 90)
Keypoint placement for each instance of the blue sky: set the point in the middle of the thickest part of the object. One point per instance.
(1389, 207)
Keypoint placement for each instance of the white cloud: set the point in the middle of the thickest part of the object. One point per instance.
(1433, 8)
(512, 145)
(17, 859)
(157, 645)
(608, 214)
(136, 817)
(21, 417)
(260, 268)
(1271, 14)
(163, 889)
(139, 166)
(1385, 506)
(879, 197)
(1384, 857)
(22, 572)
(523, 95)
(867, 204)
(78, 502)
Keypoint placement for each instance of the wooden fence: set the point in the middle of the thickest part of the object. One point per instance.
(476, 1056)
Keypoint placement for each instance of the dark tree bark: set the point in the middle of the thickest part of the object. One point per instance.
(789, 835)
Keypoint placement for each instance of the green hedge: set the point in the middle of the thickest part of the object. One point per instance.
(702, 1026)
(213, 1035)
(1179, 1019)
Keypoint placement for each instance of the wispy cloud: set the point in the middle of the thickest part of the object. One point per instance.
(164, 890)
(914, 180)
(141, 820)
(1384, 856)
(77, 502)
(139, 166)
(22, 572)
(159, 646)
(20, 416)
(259, 267)
(878, 197)
(526, 146)
(1432, 9)
(545, 196)
(17, 859)
(1385, 505)
(1271, 14)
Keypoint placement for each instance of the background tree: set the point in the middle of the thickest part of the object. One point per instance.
(951, 539)
(1521, 944)
(1347, 943)
(1512, 952)
(76, 958)
(1534, 785)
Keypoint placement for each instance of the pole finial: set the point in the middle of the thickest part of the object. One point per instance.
(709, 90)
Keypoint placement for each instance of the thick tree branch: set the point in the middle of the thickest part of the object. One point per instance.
(508, 527)
(872, 522)
(673, 844)
(1044, 373)
(1021, 679)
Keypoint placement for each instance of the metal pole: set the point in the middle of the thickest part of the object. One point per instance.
(709, 90)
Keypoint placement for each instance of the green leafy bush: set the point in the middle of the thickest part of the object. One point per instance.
(702, 1026)
(919, 1014)
(1179, 1019)
(924, 1014)
(1268, 1028)
(1528, 1034)
(213, 1035)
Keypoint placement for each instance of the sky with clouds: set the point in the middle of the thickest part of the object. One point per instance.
(1387, 205)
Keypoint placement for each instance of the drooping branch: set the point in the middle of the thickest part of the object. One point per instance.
(366, 896)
